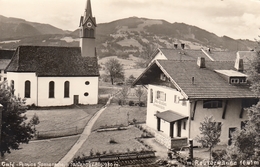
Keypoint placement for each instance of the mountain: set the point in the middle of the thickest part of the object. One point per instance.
(14, 28)
(124, 37)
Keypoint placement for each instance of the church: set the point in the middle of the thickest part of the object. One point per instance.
(58, 76)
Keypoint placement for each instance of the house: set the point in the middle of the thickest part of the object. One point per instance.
(180, 53)
(58, 76)
(182, 92)
(5, 58)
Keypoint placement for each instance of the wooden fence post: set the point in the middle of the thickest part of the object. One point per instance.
(1, 114)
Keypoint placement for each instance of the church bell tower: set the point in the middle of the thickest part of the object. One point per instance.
(87, 29)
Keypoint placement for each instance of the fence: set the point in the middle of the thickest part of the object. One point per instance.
(59, 133)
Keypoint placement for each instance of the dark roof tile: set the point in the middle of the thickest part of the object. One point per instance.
(53, 61)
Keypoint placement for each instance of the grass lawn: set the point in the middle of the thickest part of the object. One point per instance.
(117, 115)
(99, 141)
(62, 122)
(47, 151)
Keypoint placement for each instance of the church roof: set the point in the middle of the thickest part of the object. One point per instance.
(53, 61)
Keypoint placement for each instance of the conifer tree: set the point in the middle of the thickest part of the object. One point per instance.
(14, 128)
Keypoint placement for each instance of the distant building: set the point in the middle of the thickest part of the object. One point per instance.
(182, 93)
(5, 59)
(58, 76)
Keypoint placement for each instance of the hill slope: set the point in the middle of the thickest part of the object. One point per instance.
(124, 37)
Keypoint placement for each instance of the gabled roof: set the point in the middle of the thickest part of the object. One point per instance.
(182, 54)
(5, 58)
(222, 55)
(207, 84)
(170, 116)
(53, 61)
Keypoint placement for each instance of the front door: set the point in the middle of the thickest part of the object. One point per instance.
(179, 128)
(76, 99)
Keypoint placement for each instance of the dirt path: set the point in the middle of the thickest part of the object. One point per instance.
(64, 162)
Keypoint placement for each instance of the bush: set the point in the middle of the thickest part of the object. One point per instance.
(131, 103)
(218, 155)
(112, 141)
(142, 104)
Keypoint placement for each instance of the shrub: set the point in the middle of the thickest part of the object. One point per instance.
(112, 141)
(91, 152)
(142, 104)
(131, 103)
(98, 153)
(218, 155)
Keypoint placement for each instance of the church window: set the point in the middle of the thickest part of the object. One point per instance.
(89, 33)
(27, 89)
(12, 86)
(86, 94)
(67, 89)
(87, 82)
(51, 89)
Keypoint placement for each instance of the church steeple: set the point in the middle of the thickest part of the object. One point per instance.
(88, 32)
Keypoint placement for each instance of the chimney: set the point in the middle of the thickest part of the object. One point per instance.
(239, 65)
(201, 62)
(182, 46)
(175, 46)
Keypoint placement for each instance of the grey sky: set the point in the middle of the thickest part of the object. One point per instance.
(239, 19)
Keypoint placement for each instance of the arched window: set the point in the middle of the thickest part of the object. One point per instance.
(151, 95)
(51, 89)
(67, 89)
(27, 89)
(12, 86)
(89, 33)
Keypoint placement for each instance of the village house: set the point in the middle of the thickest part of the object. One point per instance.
(182, 92)
(5, 59)
(58, 76)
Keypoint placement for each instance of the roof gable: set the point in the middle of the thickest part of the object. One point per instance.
(199, 83)
(53, 61)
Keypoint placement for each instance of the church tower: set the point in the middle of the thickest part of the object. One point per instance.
(88, 32)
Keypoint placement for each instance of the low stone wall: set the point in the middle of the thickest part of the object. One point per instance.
(164, 140)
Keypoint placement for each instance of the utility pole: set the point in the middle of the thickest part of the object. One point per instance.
(1, 115)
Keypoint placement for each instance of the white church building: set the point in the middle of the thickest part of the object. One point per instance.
(58, 76)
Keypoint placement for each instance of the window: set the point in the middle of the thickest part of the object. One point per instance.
(87, 83)
(184, 102)
(67, 89)
(27, 89)
(86, 94)
(5, 78)
(176, 99)
(243, 124)
(212, 104)
(12, 86)
(51, 89)
(161, 95)
(184, 125)
(89, 33)
(151, 95)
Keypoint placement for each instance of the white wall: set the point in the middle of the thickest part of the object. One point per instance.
(231, 118)
(159, 56)
(77, 87)
(169, 104)
(40, 89)
(19, 85)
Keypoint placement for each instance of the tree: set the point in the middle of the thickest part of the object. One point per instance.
(14, 128)
(34, 121)
(139, 92)
(114, 69)
(210, 131)
(130, 80)
(123, 94)
(146, 55)
(246, 142)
